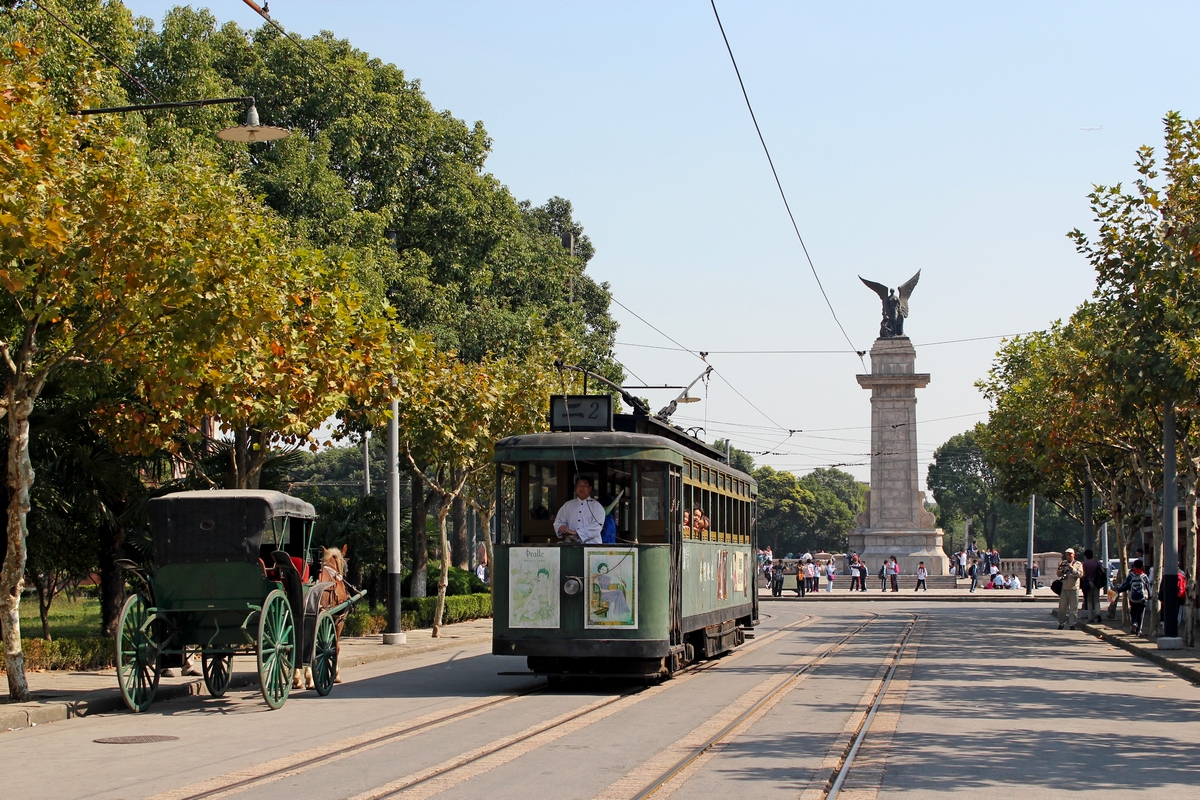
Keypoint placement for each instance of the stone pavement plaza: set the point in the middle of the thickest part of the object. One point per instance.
(999, 704)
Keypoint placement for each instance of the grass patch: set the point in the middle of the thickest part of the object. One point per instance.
(77, 620)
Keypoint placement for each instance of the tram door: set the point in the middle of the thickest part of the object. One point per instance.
(675, 537)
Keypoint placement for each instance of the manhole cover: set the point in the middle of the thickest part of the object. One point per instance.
(134, 739)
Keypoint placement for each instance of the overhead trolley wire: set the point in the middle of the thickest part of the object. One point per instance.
(42, 7)
(779, 184)
(819, 352)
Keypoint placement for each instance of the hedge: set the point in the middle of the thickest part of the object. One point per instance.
(93, 652)
(417, 612)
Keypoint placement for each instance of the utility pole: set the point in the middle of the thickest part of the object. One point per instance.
(395, 631)
(1029, 557)
(367, 464)
(1170, 567)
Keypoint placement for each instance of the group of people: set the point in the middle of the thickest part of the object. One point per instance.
(972, 554)
(808, 575)
(695, 521)
(1090, 579)
(986, 572)
(809, 572)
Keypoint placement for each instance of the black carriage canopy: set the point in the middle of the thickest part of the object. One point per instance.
(222, 525)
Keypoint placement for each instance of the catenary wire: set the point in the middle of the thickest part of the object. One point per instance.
(779, 184)
(41, 7)
(975, 338)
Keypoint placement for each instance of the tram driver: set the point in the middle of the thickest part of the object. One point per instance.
(581, 518)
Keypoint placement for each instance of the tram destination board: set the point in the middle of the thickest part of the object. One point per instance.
(577, 412)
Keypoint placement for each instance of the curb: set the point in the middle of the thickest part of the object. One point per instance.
(106, 701)
(1185, 671)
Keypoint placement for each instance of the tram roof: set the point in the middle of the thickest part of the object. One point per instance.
(603, 446)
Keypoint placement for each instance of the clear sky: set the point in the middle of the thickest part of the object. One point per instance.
(955, 138)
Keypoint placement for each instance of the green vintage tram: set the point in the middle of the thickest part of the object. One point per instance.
(677, 584)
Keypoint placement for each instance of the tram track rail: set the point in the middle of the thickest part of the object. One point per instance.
(288, 766)
(730, 729)
(842, 772)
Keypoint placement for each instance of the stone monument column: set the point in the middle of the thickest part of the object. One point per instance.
(895, 522)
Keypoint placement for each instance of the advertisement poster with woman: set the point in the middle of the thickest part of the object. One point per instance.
(533, 587)
(612, 588)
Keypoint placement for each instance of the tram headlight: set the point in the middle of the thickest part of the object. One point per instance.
(572, 586)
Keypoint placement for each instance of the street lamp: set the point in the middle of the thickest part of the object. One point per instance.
(252, 131)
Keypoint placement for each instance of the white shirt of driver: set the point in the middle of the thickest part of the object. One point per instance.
(585, 517)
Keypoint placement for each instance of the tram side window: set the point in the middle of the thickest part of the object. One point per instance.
(506, 503)
(652, 497)
(543, 488)
(688, 505)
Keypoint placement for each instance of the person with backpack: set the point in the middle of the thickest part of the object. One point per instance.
(777, 581)
(1137, 583)
(801, 581)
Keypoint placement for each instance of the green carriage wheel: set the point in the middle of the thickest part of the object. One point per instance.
(325, 655)
(276, 649)
(137, 655)
(217, 670)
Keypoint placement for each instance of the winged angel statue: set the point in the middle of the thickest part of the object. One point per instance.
(895, 305)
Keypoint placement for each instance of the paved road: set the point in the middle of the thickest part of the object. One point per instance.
(1013, 708)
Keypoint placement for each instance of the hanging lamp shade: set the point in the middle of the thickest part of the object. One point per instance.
(253, 131)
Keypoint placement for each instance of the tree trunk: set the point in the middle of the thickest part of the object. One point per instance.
(460, 545)
(112, 577)
(444, 575)
(12, 576)
(420, 551)
(45, 595)
(1089, 527)
(246, 458)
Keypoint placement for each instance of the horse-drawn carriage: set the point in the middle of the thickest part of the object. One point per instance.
(233, 575)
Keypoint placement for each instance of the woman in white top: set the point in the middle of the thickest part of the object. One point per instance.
(830, 572)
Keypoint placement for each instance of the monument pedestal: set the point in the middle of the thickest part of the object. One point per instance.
(895, 522)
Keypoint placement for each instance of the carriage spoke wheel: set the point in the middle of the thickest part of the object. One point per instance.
(217, 667)
(276, 649)
(137, 655)
(324, 660)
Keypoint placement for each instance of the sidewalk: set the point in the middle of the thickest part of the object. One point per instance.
(65, 695)
(1042, 595)
(1184, 663)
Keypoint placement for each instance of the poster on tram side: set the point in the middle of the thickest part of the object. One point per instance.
(739, 572)
(611, 588)
(533, 594)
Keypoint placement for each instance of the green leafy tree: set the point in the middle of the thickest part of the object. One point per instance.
(963, 483)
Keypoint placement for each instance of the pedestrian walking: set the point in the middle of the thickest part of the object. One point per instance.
(1137, 583)
(894, 570)
(973, 574)
(1069, 573)
(883, 575)
(777, 581)
(864, 573)
(854, 573)
(922, 574)
(830, 572)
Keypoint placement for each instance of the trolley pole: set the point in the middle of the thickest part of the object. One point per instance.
(1029, 557)
(395, 632)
